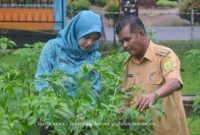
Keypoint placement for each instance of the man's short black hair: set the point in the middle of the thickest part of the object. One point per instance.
(134, 23)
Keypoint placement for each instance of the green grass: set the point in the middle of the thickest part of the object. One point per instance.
(194, 128)
(180, 47)
(190, 82)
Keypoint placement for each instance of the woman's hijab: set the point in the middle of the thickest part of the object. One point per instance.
(82, 24)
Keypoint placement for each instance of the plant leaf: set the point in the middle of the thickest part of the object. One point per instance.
(60, 128)
(12, 132)
(2, 112)
(19, 126)
(4, 46)
(158, 115)
(32, 120)
(13, 106)
(127, 112)
(18, 92)
(53, 103)
(46, 111)
(62, 113)
(149, 116)
(42, 92)
(3, 98)
(88, 98)
(196, 107)
(196, 117)
(27, 114)
(12, 42)
(33, 130)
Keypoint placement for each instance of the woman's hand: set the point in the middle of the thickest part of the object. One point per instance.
(81, 117)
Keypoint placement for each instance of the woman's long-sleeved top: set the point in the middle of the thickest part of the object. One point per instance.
(54, 57)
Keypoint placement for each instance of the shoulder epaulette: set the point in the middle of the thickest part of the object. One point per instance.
(162, 52)
(126, 60)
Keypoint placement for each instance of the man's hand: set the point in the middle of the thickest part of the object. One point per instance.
(144, 101)
(125, 105)
(167, 89)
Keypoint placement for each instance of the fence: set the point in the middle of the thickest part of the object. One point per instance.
(31, 20)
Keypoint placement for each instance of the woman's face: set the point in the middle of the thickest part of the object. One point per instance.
(88, 41)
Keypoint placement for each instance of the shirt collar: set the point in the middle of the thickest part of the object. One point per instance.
(149, 52)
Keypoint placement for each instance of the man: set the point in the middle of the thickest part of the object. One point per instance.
(156, 69)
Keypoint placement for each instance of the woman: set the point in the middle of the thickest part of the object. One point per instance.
(75, 44)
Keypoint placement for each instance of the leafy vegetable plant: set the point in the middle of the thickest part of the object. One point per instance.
(24, 110)
(193, 59)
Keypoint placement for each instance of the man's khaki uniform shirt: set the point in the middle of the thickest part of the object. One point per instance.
(158, 65)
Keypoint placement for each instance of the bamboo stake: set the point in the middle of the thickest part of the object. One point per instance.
(116, 89)
(114, 95)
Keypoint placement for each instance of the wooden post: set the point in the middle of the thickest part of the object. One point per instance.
(192, 25)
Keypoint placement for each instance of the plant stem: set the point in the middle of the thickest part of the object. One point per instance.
(116, 89)
(76, 106)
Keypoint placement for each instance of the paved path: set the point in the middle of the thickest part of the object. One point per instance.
(165, 33)
(162, 33)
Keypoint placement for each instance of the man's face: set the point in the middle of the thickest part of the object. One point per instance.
(88, 41)
(130, 41)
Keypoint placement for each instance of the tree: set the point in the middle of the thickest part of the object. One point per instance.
(112, 6)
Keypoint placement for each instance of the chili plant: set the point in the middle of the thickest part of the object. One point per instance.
(193, 59)
(5, 42)
(23, 112)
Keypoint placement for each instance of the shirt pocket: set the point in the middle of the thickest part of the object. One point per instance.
(155, 83)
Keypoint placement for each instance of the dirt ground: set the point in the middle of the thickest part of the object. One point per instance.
(151, 17)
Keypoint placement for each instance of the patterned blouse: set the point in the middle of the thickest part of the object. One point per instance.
(54, 57)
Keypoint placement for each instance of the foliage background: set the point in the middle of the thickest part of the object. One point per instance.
(186, 7)
(78, 5)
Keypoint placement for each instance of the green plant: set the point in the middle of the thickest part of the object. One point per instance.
(167, 3)
(5, 42)
(24, 61)
(194, 127)
(102, 2)
(112, 6)
(195, 63)
(110, 75)
(186, 7)
(20, 109)
(150, 32)
(78, 6)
